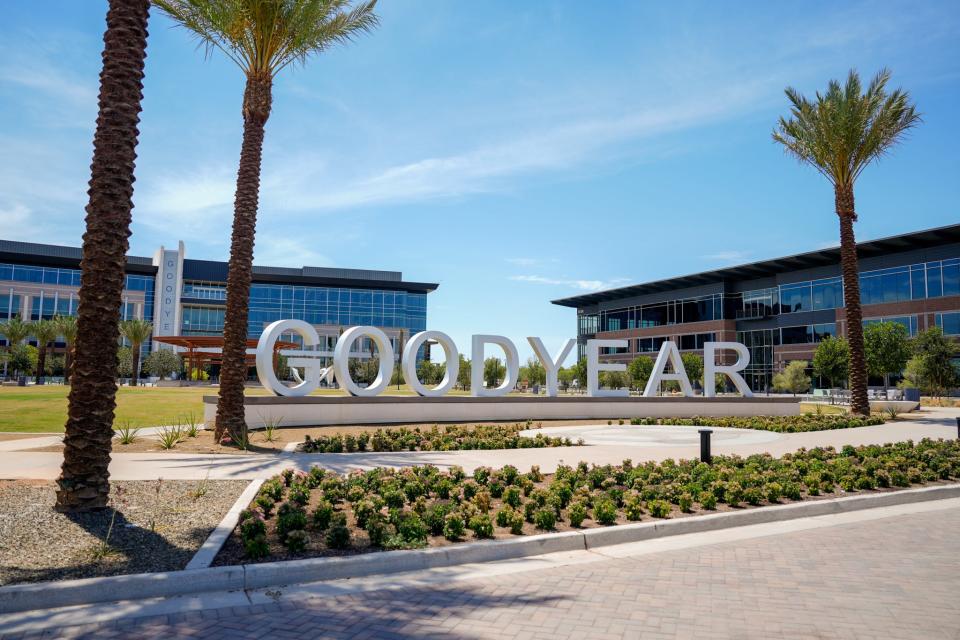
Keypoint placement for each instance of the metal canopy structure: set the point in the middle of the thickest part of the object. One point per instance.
(201, 351)
(820, 258)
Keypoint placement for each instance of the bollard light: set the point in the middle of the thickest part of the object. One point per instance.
(705, 444)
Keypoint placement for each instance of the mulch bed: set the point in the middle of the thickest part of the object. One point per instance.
(151, 532)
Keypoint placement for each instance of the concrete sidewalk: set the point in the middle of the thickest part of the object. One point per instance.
(934, 423)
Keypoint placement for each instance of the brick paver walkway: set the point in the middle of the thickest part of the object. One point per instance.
(889, 578)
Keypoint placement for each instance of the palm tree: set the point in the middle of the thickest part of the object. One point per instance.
(136, 332)
(67, 326)
(84, 481)
(15, 331)
(45, 331)
(262, 37)
(840, 133)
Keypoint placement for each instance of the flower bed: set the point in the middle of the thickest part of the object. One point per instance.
(448, 438)
(782, 424)
(320, 513)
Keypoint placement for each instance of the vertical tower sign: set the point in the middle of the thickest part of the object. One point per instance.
(166, 314)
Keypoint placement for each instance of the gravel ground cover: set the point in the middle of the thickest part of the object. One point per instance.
(319, 513)
(159, 525)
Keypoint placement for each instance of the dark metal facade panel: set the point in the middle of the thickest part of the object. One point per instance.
(920, 246)
(49, 255)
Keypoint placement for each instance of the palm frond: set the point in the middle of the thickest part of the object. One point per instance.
(847, 127)
(264, 36)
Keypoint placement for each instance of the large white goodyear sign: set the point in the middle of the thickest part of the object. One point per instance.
(307, 360)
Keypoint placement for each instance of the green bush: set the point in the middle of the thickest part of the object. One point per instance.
(686, 502)
(256, 547)
(322, 515)
(708, 500)
(659, 508)
(338, 535)
(376, 529)
(545, 519)
(512, 497)
(482, 526)
(290, 517)
(633, 509)
(605, 512)
(504, 516)
(454, 527)
(296, 541)
(447, 438)
(577, 513)
(782, 424)
(412, 529)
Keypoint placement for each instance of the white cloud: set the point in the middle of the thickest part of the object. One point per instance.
(278, 251)
(727, 256)
(583, 285)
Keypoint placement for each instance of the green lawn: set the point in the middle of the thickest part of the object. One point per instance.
(44, 409)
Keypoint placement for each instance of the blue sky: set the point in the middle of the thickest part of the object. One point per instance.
(513, 152)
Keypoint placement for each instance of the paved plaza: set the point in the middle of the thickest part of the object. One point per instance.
(883, 573)
(16, 461)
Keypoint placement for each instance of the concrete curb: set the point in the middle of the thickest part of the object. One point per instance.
(204, 556)
(48, 595)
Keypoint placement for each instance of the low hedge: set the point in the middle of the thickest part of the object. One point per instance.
(448, 438)
(782, 424)
(300, 514)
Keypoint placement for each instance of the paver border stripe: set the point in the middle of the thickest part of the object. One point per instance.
(204, 556)
(48, 595)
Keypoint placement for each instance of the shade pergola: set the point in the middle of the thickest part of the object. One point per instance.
(205, 350)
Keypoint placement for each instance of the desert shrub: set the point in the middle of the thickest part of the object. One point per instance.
(659, 508)
(448, 438)
(545, 519)
(605, 512)
(503, 516)
(773, 492)
(290, 517)
(733, 495)
(482, 526)
(435, 517)
(633, 508)
(322, 515)
(512, 497)
(782, 424)
(256, 547)
(686, 502)
(299, 494)
(412, 529)
(376, 529)
(338, 534)
(577, 513)
(252, 527)
(297, 541)
(708, 500)
(453, 527)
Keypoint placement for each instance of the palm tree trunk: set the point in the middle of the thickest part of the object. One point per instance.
(233, 371)
(135, 362)
(41, 363)
(851, 298)
(67, 364)
(85, 479)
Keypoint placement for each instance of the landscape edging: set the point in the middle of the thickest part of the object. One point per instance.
(48, 595)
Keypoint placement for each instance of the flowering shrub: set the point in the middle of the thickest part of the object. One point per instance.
(782, 424)
(448, 438)
(413, 507)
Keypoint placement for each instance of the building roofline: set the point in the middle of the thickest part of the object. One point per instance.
(765, 268)
(38, 254)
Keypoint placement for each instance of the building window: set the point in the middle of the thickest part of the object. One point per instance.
(910, 322)
(795, 298)
(949, 322)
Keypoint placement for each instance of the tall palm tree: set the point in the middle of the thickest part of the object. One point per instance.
(262, 37)
(45, 331)
(67, 326)
(136, 332)
(84, 481)
(15, 330)
(839, 134)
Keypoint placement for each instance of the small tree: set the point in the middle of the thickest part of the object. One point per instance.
(935, 367)
(22, 358)
(614, 379)
(533, 372)
(887, 346)
(45, 331)
(163, 363)
(124, 362)
(580, 372)
(831, 360)
(463, 376)
(15, 331)
(67, 326)
(493, 371)
(639, 371)
(693, 365)
(136, 332)
(565, 377)
(793, 379)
